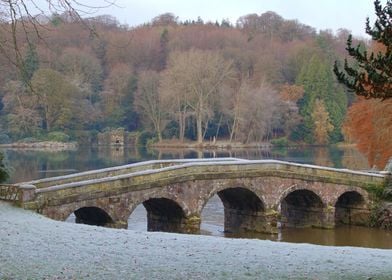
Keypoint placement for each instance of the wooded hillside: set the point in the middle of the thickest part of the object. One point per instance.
(264, 78)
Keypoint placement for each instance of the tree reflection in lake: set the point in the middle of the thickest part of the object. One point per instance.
(34, 164)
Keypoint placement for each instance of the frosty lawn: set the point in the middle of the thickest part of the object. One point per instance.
(35, 247)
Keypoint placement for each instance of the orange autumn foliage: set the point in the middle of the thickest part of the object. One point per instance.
(369, 125)
(291, 92)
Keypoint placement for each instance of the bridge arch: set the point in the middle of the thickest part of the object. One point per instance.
(92, 215)
(163, 213)
(244, 209)
(351, 208)
(301, 207)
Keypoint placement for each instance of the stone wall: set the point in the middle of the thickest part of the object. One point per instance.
(117, 137)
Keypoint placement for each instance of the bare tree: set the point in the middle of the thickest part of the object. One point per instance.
(173, 90)
(234, 105)
(114, 95)
(199, 74)
(251, 111)
(149, 102)
(20, 22)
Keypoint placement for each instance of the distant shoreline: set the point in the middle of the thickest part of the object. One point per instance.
(209, 145)
(44, 145)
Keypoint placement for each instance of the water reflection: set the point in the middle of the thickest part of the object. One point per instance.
(213, 224)
(27, 165)
(138, 219)
(340, 236)
(213, 217)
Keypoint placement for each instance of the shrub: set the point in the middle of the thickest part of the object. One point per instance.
(4, 172)
(28, 140)
(146, 137)
(4, 138)
(280, 142)
(58, 136)
(85, 137)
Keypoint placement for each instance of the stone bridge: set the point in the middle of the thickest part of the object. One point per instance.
(257, 195)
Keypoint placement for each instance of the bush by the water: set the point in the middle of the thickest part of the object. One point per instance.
(84, 137)
(382, 216)
(58, 136)
(280, 142)
(29, 140)
(145, 138)
(3, 170)
(4, 138)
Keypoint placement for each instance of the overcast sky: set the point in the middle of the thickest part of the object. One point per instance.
(321, 14)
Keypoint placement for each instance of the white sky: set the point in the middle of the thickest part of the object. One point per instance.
(321, 14)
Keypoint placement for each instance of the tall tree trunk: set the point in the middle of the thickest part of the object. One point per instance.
(46, 118)
(199, 128)
(158, 131)
(199, 120)
(181, 126)
(233, 128)
(218, 128)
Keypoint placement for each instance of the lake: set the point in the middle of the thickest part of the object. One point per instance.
(27, 165)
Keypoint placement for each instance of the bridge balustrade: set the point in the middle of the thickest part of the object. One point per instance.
(119, 170)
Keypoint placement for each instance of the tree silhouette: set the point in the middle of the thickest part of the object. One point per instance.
(372, 77)
(23, 19)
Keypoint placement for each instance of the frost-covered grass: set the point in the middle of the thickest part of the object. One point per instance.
(34, 247)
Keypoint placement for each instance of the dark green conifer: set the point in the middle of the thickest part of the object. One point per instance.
(30, 64)
(373, 76)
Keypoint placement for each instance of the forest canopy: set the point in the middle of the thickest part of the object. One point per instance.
(263, 78)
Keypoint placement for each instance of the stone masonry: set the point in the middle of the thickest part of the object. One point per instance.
(257, 196)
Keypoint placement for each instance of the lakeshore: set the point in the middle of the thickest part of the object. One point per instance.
(35, 247)
(224, 145)
(43, 145)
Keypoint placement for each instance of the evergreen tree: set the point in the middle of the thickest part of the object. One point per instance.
(317, 80)
(163, 49)
(30, 64)
(131, 119)
(3, 169)
(373, 77)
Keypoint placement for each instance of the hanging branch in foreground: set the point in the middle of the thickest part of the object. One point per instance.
(22, 18)
(372, 76)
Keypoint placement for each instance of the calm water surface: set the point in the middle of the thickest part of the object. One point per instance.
(28, 165)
